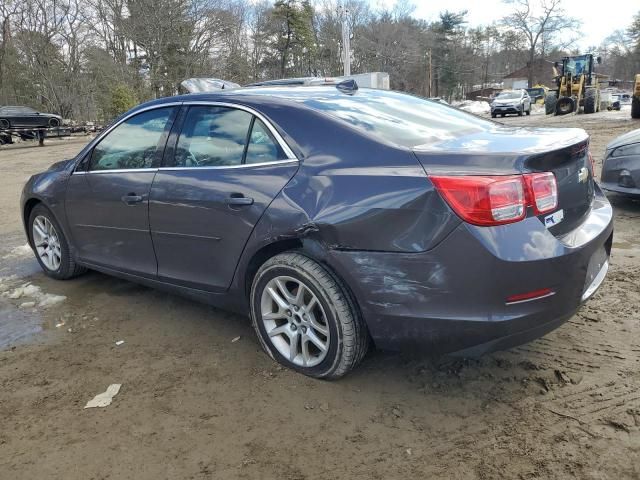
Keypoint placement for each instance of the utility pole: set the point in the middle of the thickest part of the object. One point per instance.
(429, 74)
(346, 41)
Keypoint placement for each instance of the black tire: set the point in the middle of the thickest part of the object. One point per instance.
(565, 105)
(4, 123)
(348, 338)
(550, 102)
(493, 115)
(502, 115)
(68, 267)
(54, 122)
(635, 107)
(521, 110)
(590, 100)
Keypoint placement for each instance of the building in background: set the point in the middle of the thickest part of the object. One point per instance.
(542, 75)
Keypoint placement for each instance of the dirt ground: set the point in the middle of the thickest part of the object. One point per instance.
(196, 405)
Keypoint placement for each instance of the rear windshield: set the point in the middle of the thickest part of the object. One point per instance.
(398, 118)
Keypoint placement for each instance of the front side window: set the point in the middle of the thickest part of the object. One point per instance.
(132, 144)
(213, 137)
(262, 146)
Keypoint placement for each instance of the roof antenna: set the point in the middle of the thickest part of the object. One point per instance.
(348, 86)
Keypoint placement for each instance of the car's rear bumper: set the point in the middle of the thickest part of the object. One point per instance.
(453, 298)
(621, 174)
(612, 187)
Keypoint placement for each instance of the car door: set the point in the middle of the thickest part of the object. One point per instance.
(107, 201)
(29, 117)
(223, 170)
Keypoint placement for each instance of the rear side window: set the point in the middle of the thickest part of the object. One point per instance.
(398, 118)
(135, 143)
(262, 146)
(213, 137)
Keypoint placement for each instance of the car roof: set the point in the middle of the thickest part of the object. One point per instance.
(16, 107)
(285, 95)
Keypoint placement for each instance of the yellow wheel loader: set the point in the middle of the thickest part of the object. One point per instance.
(576, 86)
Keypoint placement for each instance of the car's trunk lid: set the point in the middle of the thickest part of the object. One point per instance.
(508, 151)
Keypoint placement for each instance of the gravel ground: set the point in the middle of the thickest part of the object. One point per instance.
(196, 405)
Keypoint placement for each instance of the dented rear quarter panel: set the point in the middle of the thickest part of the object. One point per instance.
(352, 192)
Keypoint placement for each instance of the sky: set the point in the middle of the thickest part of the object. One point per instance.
(598, 21)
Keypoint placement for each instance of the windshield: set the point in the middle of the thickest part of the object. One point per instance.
(576, 66)
(509, 95)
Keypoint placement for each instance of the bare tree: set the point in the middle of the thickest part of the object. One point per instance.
(539, 21)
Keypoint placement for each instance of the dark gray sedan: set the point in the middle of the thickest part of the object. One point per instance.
(27, 117)
(335, 216)
(621, 165)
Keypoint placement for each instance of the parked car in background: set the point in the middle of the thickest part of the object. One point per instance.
(621, 165)
(511, 101)
(537, 94)
(27, 117)
(333, 216)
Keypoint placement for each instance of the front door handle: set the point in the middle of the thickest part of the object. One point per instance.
(238, 200)
(131, 198)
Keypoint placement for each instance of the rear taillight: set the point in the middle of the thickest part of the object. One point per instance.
(484, 200)
(543, 191)
(498, 200)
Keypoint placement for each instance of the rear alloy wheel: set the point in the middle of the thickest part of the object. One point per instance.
(305, 319)
(50, 245)
(4, 123)
(54, 122)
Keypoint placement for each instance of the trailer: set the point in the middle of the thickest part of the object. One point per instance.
(7, 134)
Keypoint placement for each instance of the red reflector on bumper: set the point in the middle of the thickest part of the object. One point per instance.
(526, 297)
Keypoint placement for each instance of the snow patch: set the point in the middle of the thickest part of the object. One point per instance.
(21, 251)
(36, 294)
(49, 299)
(26, 290)
(7, 282)
(473, 106)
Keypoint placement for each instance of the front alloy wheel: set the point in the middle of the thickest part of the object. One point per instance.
(47, 239)
(305, 317)
(47, 243)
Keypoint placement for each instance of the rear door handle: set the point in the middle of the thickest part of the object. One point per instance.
(238, 200)
(131, 198)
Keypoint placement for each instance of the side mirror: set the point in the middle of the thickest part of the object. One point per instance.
(599, 60)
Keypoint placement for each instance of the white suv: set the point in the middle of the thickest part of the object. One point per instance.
(511, 101)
